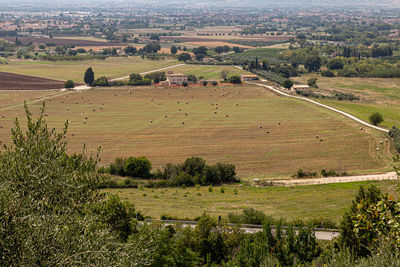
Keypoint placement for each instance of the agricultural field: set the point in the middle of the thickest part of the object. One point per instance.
(227, 124)
(112, 67)
(376, 95)
(58, 41)
(257, 52)
(208, 72)
(11, 81)
(16, 97)
(329, 202)
(215, 44)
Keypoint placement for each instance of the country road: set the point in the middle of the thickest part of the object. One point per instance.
(320, 234)
(332, 180)
(322, 105)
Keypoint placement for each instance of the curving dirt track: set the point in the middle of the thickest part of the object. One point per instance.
(11, 81)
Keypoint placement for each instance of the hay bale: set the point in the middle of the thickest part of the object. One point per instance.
(1, 127)
(46, 115)
(321, 140)
(84, 122)
(226, 115)
(386, 140)
(179, 109)
(90, 103)
(186, 114)
(67, 109)
(151, 121)
(377, 149)
(187, 103)
(3, 116)
(260, 126)
(115, 95)
(102, 104)
(237, 105)
(317, 136)
(86, 118)
(62, 102)
(76, 103)
(73, 134)
(215, 112)
(151, 100)
(279, 123)
(381, 142)
(361, 128)
(94, 110)
(267, 132)
(165, 116)
(183, 122)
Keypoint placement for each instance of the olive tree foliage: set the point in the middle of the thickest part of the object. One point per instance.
(46, 203)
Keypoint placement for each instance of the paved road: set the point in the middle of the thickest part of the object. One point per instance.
(322, 105)
(320, 234)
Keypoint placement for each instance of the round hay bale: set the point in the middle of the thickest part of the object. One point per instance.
(179, 109)
(237, 105)
(86, 118)
(1, 127)
(186, 114)
(361, 128)
(159, 104)
(84, 122)
(46, 115)
(76, 103)
(279, 123)
(260, 126)
(151, 121)
(73, 134)
(67, 109)
(386, 140)
(216, 107)
(165, 116)
(317, 136)
(187, 103)
(377, 149)
(183, 122)
(90, 103)
(101, 107)
(3, 116)
(215, 112)
(62, 102)
(94, 110)
(267, 132)
(115, 95)
(321, 140)
(151, 100)
(102, 104)
(226, 115)
(381, 142)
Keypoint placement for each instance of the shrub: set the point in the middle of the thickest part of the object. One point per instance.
(235, 79)
(215, 83)
(69, 84)
(102, 81)
(184, 84)
(288, 84)
(137, 167)
(205, 83)
(327, 73)
(395, 134)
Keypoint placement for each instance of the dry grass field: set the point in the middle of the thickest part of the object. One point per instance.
(112, 67)
(376, 95)
(329, 202)
(217, 123)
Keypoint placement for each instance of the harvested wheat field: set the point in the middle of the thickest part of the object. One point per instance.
(11, 81)
(262, 134)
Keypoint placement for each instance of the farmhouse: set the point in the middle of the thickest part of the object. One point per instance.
(248, 77)
(175, 79)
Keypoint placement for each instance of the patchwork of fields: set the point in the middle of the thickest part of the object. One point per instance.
(227, 124)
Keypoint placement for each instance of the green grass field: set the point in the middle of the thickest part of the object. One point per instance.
(376, 95)
(208, 72)
(112, 67)
(303, 202)
(149, 122)
(258, 52)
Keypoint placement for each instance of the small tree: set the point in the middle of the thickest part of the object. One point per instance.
(376, 118)
(312, 82)
(215, 83)
(288, 84)
(174, 50)
(205, 83)
(69, 84)
(184, 84)
(235, 79)
(184, 57)
(89, 76)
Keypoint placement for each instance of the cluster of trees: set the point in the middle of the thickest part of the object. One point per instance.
(222, 49)
(300, 174)
(283, 69)
(193, 171)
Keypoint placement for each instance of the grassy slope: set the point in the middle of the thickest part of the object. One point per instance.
(74, 70)
(377, 95)
(123, 128)
(302, 202)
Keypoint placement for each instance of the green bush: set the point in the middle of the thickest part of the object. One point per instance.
(395, 134)
(69, 84)
(139, 167)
